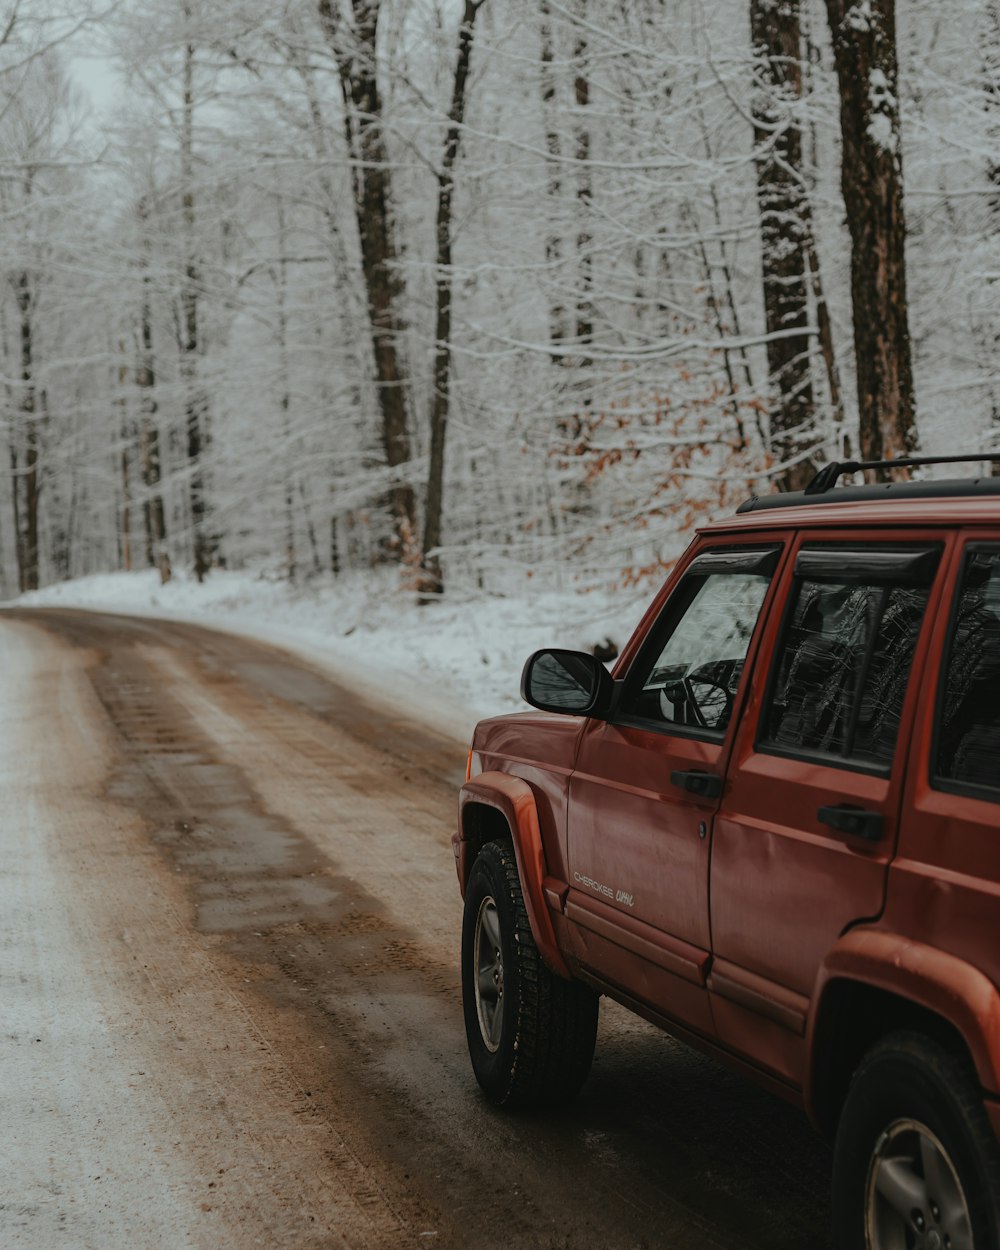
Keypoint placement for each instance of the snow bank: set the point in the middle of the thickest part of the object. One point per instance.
(452, 662)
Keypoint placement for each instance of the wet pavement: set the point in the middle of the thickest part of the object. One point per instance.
(281, 847)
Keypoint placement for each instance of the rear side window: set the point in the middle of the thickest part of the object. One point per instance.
(842, 667)
(968, 731)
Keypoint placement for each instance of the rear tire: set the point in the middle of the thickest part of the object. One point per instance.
(531, 1033)
(916, 1163)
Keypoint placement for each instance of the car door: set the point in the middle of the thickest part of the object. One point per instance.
(945, 887)
(807, 827)
(647, 783)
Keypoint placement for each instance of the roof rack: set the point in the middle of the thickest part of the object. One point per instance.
(820, 489)
(826, 478)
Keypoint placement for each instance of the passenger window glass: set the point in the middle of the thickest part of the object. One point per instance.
(842, 669)
(969, 726)
(694, 677)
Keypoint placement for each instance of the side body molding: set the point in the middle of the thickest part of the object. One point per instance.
(944, 984)
(513, 799)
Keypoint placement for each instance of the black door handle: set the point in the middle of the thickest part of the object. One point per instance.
(707, 785)
(853, 820)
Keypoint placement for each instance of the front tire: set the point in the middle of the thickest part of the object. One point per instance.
(916, 1164)
(531, 1033)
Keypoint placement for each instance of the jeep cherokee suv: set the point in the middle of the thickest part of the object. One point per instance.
(773, 830)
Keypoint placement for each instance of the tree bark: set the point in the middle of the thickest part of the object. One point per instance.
(285, 397)
(784, 232)
(354, 51)
(125, 557)
(991, 92)
(25, 480)
(864, 45)
(431, 578)
(584, 196)
(153, 513)
(125, 520)
(553, 242)
(195, 406)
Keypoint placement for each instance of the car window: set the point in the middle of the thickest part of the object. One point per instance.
(968, 730)
(842, 666)
(689, 677)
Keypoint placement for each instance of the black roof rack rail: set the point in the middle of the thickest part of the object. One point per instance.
(820, 489)
(826, 478)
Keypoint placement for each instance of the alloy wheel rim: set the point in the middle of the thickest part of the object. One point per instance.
(914, 1199)
(488, 963)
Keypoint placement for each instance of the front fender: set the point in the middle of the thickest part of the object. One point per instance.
(514, 799)
(941, 983)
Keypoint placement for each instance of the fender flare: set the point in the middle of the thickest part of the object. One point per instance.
(944, 984)
(514, 799)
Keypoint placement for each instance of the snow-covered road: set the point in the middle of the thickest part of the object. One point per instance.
(228, 979)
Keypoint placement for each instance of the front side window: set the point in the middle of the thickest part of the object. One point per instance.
(690, 678)
(968, 737)
(842, 667)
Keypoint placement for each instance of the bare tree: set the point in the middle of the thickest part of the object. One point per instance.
(353, 37)
(154, 517)
(24, 475)
(431, 580)
(553, 241)
(864, 44)
(195, 402)
(991, 93)
(786, 236)
(35, 129)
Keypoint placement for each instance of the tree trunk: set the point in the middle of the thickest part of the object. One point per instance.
(431, 580)
(285, 398)
(26, 484)
(864, 45)
(334, 547)
(354, 51)
(584, 195)
(64, 543)
(991, 91)
(195, 407)
(154, 519)
(553, 242)
(153, 513)
(578, 428)
(784, 232)
(125, 520)
(317, 563)
(125, 555)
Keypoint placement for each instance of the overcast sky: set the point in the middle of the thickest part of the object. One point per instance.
(97, 76)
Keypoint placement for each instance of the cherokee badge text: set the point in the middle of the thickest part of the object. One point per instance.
(620, 896)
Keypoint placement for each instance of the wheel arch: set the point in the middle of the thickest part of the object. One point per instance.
(496, 805)
(874, 983)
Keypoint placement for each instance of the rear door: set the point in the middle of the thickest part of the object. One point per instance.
(646, 785)
(807, 826)
(944, 888)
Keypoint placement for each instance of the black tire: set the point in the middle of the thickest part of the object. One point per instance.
(915, 1154)
(532, 1040)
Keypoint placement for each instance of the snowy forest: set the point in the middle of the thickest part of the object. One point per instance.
(479, 290)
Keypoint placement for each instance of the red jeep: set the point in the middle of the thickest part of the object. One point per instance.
(773, 830)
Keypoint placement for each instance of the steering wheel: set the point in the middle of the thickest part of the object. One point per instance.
(689, 700)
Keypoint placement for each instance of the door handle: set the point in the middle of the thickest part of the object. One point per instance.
(707, 785)
(853, 820)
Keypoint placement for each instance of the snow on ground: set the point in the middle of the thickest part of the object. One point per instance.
(449, 663)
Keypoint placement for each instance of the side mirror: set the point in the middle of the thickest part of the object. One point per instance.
(566, 681)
